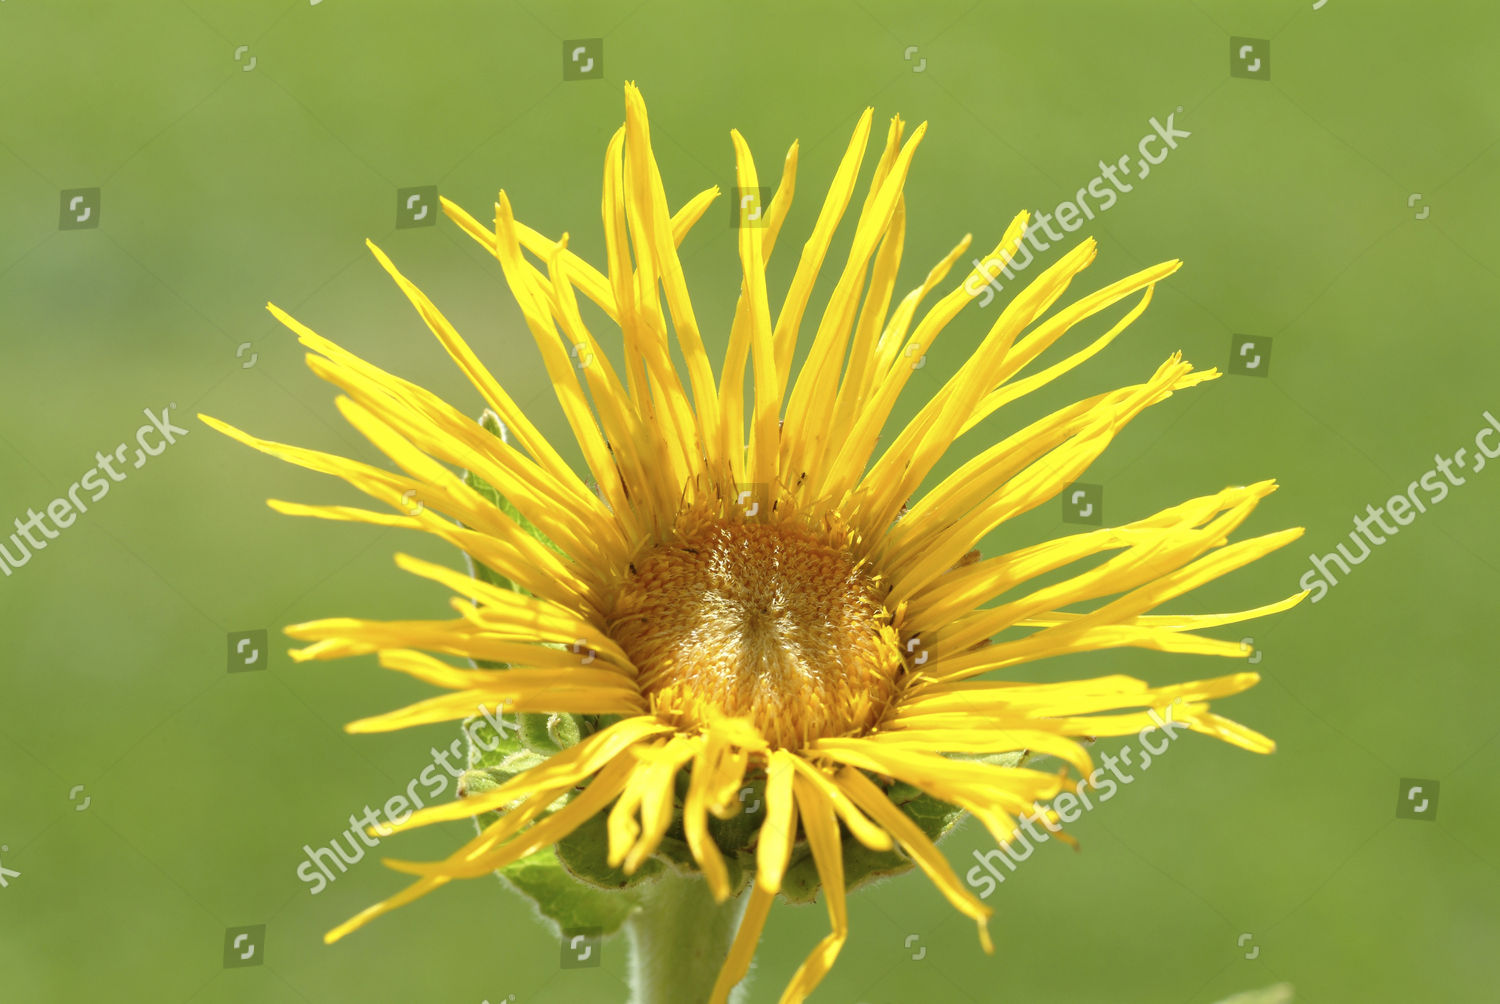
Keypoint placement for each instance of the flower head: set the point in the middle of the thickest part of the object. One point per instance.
(757, 600)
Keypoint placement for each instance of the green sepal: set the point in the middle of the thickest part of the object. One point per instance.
(1280, 993)
(490, 768)
(489, 747)
(549, 733)
(739, 868)
(570, 883)
(1023, 758)
(741, 831)
(477, 569)
(563, 901)
(861, 867)
(933, 816)
(585, 853)
(491, 423)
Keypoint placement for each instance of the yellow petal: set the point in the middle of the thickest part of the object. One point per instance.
(922, 850)
(828, 859)
(588, 279)
(809, 266)
(562, 770)
(858, 823)
(743, 949)
(583, 807)
(765, 424)
(779, 830)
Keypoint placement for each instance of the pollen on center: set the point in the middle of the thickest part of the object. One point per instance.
(774, 622)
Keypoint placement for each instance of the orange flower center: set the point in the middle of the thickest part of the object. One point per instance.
(773, 622)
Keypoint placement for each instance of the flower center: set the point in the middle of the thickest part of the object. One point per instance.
(776, 623)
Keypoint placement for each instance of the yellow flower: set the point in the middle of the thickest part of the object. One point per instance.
(756, 596)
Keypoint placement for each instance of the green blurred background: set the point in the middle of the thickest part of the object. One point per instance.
(224, 184)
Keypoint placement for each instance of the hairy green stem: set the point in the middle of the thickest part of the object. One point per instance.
(679, 939)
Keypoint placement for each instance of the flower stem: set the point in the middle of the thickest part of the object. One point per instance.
(679, 939)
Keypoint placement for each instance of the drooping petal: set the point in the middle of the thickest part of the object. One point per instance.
(828, 858)
(872, 800)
